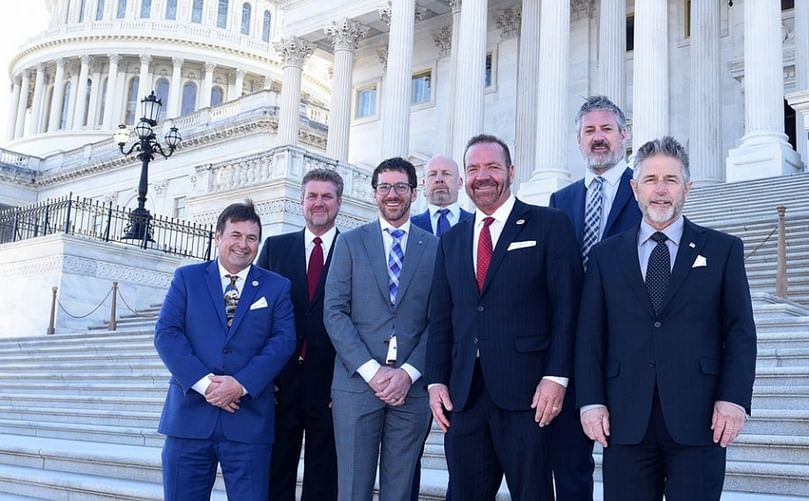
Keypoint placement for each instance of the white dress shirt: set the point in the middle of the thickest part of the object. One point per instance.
(453, 216)
(326, 241)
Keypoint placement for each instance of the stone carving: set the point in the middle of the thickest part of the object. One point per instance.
(443, 40)
(382, 54)
(508, 21)
(580, 9)
(293, 51)
(384, 14)
(346, 34)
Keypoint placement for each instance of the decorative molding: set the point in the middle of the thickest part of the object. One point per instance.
(455, 6)
(421, 13)
(346, 34)
(61, 263)
(508, 22)
(293, 51)
(382, 54)
(443, 40)
(384, 14)
(580, 9)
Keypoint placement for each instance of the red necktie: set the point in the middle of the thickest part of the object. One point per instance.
(315, 268)
(484, 251)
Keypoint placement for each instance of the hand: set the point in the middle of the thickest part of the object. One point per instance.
(223, 392)
(547, 401)
(727, 422)
(596, 424)
(439, 400)
(396, 390)
(381, 379)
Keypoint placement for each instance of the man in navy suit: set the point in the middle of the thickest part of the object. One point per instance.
(441, 184)
(666, 344)
(224, 332)
(303, 386)
(606, 192)
(502, 320)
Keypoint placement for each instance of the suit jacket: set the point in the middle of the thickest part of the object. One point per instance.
(423, 221)
(358, 315)
(286, 254)
(193, 340)
(700, 348)
(522, 322)
(624, 213)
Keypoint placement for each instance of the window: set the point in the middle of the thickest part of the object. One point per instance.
(43, 126)
(180, 211)
(81, 10)
(171, 10)
(630, 32)
(145, 9)
(265, 28)
(66, 106)
(121, 9)
(488, 78)
(787, 4)
(100, 10)
(103, 102)
(366, 102)
(687, 19)
(217, 95)
(196, 12)
(422, 87)
(162, 93)
(246, 10)
(222, 14)
(87, 103)
(189, 104)
(132, 101)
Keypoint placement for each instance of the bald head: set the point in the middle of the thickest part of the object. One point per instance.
(441, 181)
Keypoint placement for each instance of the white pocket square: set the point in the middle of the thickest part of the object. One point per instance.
(261, 303)
(699, 262)
(522, 245)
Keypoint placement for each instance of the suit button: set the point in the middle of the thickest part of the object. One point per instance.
(476, 341)
(226, 350)
(658, 324)
(480, 308)
(652, 364)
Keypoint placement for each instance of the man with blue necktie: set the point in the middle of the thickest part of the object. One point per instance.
(441, 184)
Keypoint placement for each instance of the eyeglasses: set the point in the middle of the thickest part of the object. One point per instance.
(401, 188)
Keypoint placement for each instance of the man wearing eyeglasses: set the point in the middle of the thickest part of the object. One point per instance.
(376, 303)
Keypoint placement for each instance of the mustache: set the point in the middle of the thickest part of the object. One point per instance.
(599, 144)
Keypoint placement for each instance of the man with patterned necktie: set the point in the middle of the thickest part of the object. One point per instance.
(441, 184)
(376, 305)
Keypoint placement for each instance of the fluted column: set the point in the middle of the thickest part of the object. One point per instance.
(612, 49)
(13, 104)
(71, 108)
(398, 80)
(650, 79)
(57, 96)
(39, 99)
(81, 95)
(706, 102)
(764, 150)
(95, 89)
(207, 85)
(238, 84)
(144, 78)
(527, 76)
(294, 52)
(112, 87)
(175, 88)
(468, 109)
(22, 104)
(802, 73)
(344, 36)
(455, 6)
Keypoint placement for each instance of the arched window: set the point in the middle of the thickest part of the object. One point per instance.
(171, 10)
(65, 105)
(222, 14)
(81, 10)
(246, 11)
(100, 10)
(196, 11)
(87, 102)
(189, 104)
(265, 28)
(121, 9)
(132, 101)
(100, 117)
(217, 95)
(145, 9)
(162, 93)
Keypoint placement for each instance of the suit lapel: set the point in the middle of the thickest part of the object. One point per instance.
(249, 289)
(214, 282)
(295, 267)
(412, 257)
(514, 224)
(691, 243)
(377, 259)
(579, 196)
(622, 197)
(630, 264)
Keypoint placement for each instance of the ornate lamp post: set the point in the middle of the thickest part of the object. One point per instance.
(147, 145)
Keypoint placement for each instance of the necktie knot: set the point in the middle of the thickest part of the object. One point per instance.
(443, 211)
(599, 182)
(232, 278)
(487, 221)
(317, 241)
(659, 237)
(396, 234)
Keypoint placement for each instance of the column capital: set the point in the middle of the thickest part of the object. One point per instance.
(114, 58)
(60, 61)
(177, 61)
(384, 14)
(580, 9)
(145, 59)
(421, 13)
(86, 59)
(293, 51)
(508, 21)
(345, 34)
(210, 67)
(443, 40)
(240, 73)
(455, 5)
(382, 54)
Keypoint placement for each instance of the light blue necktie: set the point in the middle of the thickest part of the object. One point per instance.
(592, 218)
(395, 260)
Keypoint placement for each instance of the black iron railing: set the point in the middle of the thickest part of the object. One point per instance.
(106, 222)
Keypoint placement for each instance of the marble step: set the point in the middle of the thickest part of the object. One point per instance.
(76, 339)
(795, 359)
(44, 412)
(156, 389)
(780, 397)
(104, 434)
(63, 401)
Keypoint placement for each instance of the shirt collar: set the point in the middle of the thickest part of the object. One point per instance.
(612, 175)
(242, 274)
(385, 225)
(308, 236)
(454, 209)
(674, 231)
(501, 214)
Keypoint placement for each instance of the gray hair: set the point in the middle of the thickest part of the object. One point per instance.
(600, 103)
(666, 146)
(320, 174)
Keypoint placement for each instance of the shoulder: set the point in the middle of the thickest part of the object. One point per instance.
(716, 236)
(421, 233)
(358, 233)
(194, 269)
(568, 190)
(260, 274)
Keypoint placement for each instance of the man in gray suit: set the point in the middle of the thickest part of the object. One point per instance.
(376, 302)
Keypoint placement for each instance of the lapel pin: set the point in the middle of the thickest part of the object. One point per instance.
(255, 283)
(520, 221)
(691, 244)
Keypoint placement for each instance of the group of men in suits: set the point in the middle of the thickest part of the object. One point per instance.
(488, 327)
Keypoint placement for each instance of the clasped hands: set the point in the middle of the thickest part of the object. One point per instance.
(391, 385)
(224, 392)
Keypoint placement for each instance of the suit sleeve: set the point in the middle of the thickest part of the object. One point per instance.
(337, 309)
(591, 335)
(170, 340)
(738, 332)
(438, 363)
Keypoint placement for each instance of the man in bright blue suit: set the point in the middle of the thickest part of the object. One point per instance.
(224, 332)
(441, 184)
(599, 205)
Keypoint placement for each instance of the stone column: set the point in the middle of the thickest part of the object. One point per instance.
(551, 172)
(109, 103)
(705, 139)
(612, 50)
(175, 88)
(13, 104)
(294, 52)
(650, 79)
(207, 85)
(455, 5)
(398, 80)
(95, 89)
(81, 94)
(22, 104)
(57, 96)
(802, 74)
(468, 108)
(74, 84)
(238, 84)
(764, 150)
(39, 99)
(527, 76)
(344, 36)
(144, 78)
